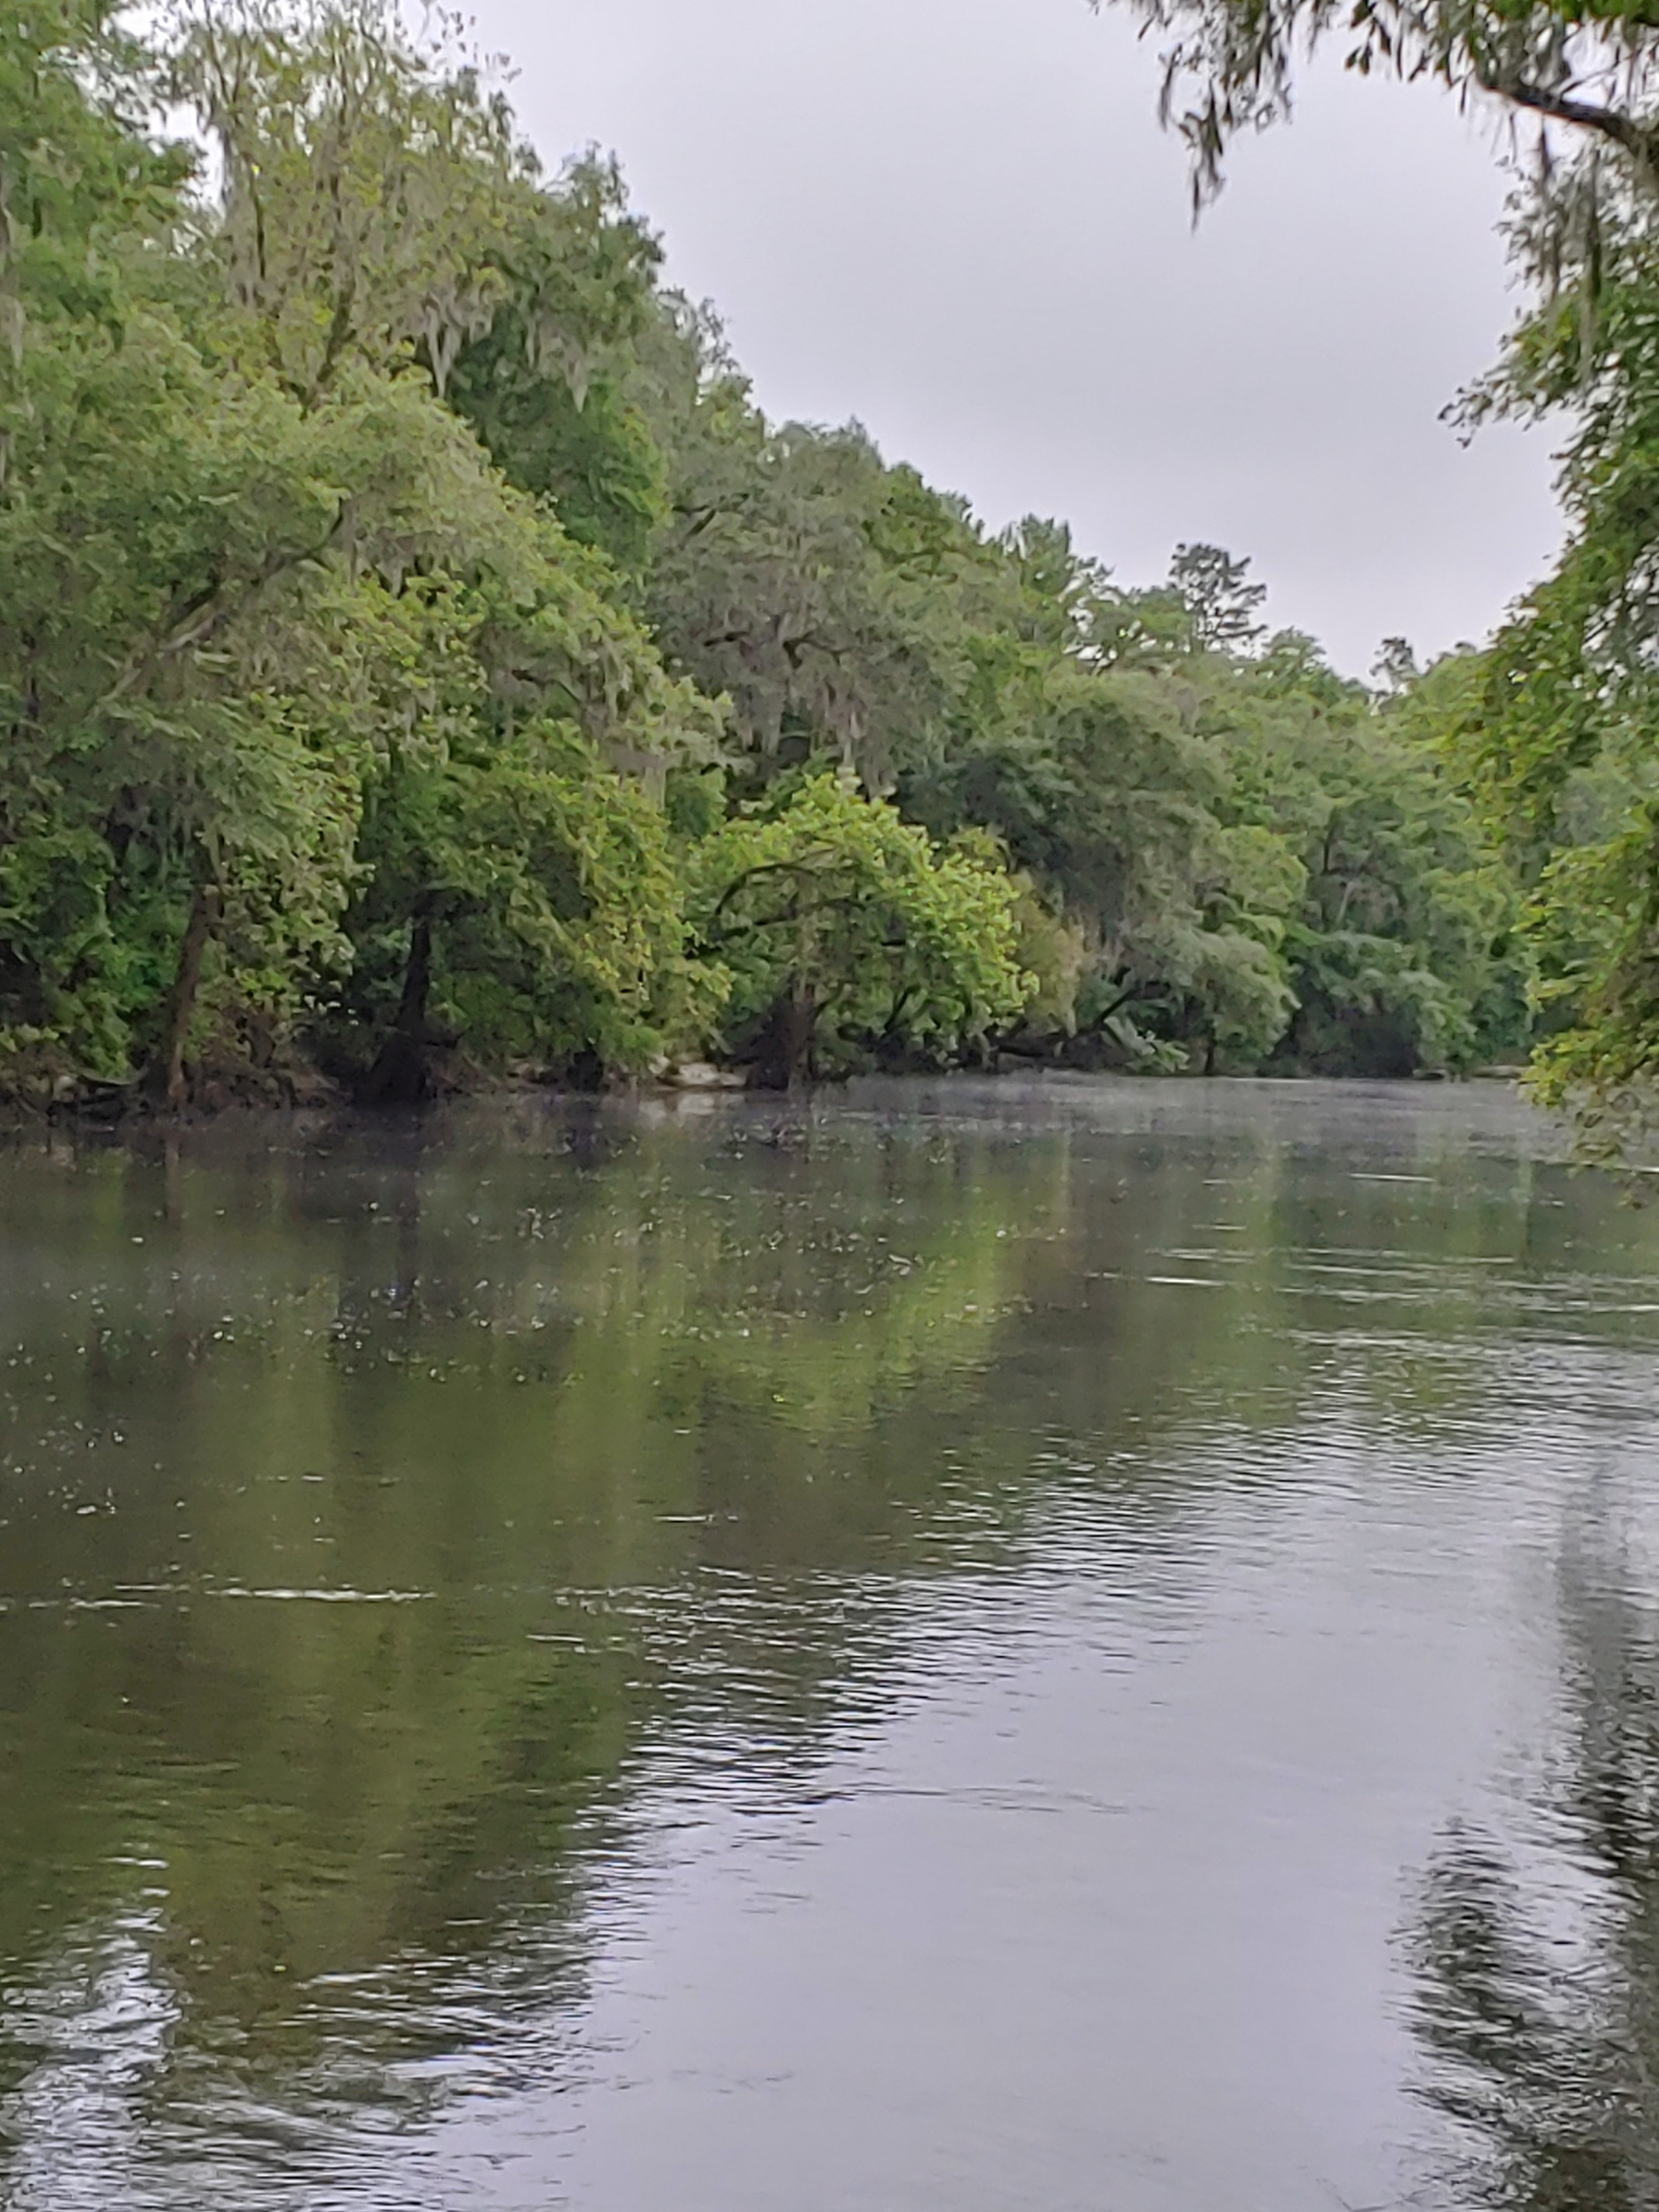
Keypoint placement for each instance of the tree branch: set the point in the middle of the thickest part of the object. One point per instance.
(1636, 140)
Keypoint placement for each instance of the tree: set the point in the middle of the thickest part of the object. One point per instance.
(1587, 68)
(549, 385)
(806, 582)
(256, 572)
(520, 905)
(153, 516)
(842, 929)
(1220, 604)
(1402, 948)
(368, 184)
(1086, 761)
(418, 655)
(1558, 749)
(1558, 744)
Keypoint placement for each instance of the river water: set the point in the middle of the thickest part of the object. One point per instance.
(1085, 1646)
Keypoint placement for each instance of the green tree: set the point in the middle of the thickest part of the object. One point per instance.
(1221, 603)
(418, 655)
(843, 930)
(813, 588)
(255, 572)
(550, 386)
(1401, 951)
(519, 905)
(368, 185)
(1090, 766)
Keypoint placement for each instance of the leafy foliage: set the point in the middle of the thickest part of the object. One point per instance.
(420, 657)
(843, 931)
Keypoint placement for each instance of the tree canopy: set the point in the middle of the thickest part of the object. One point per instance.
(422, 659)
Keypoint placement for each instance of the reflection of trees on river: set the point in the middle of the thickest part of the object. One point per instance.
(623, 1439)
(624, 1454)
(1537, 1960)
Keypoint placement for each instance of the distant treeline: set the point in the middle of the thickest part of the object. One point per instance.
(420, 660)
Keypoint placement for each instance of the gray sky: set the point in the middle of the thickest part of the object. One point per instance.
(959, 222)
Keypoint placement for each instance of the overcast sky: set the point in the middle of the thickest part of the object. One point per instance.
(959, 222)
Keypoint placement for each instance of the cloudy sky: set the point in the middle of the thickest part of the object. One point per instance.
(957, 220)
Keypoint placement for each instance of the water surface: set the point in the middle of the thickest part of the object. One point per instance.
(1067, 1647)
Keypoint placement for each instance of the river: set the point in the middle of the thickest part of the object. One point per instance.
(1063, 1646)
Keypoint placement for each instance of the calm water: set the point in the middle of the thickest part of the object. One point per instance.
(1086, 1647)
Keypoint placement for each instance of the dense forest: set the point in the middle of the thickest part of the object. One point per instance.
(422, 661)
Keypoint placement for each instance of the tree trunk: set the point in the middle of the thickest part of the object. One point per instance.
(803, 1022)
(165, 1081)
(417, 976)
(784, 1061)
(400, 1075)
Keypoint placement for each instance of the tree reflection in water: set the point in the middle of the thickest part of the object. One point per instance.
(1536, 1953)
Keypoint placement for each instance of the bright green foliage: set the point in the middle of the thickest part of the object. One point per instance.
(1400, 948)
(521, 902)
(80, 183)
(420, 656)
(844, 931)
(1103, 791)
(252, 618)
(254, 572)
(1559, 743)
(1262, 862)
(172, 654)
